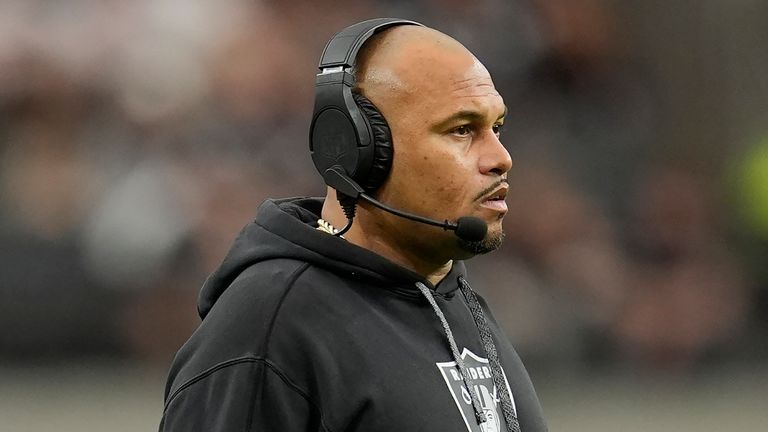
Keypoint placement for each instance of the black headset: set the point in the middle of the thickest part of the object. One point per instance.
(348, 135)
(349, 138)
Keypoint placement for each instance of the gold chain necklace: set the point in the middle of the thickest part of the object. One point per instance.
(325, 226)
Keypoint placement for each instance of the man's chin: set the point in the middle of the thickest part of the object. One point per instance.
(491, 242)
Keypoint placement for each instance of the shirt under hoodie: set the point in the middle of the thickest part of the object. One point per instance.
(303, 331)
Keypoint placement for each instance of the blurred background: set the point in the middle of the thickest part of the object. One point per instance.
(138, 137)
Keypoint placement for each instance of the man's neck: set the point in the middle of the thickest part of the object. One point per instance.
(434, 272)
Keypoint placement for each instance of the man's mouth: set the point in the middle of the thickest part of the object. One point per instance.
(495, 200)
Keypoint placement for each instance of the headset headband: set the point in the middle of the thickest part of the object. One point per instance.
(342, 49)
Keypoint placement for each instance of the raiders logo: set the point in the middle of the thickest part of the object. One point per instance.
(480, 372)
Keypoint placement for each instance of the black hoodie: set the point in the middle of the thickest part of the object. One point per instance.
(303, 331)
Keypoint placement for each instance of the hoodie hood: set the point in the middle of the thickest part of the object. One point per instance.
(286, 228)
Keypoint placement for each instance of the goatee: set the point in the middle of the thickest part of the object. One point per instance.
(491, 242)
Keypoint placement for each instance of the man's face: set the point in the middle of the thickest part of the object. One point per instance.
(445, 119)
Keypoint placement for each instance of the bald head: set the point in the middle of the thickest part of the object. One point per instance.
(403, 59)
(407, 70)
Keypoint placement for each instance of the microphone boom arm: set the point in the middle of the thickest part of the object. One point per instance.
(467, 228)
(446, 225)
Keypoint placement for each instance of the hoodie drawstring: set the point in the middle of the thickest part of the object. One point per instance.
(493, 356)
(479, 414)
(490, 350)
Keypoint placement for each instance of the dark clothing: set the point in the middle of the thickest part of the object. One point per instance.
(303, 331)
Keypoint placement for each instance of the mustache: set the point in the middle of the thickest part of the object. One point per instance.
(491, 188)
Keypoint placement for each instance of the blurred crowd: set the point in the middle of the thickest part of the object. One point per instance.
(137, 138)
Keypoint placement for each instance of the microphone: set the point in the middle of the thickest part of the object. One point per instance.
(468, 228)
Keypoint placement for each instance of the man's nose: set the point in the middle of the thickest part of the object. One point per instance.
(495, 158)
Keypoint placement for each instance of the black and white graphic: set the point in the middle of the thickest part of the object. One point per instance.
(482, 382)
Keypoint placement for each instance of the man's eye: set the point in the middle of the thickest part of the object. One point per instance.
(463, 130)
(497, 128)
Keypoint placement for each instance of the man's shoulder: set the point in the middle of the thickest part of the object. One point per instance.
(260, 308)
(269, 277)
(269, 286)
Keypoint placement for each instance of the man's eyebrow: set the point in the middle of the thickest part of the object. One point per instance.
(469, 115)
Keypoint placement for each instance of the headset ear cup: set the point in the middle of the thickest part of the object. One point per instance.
(383, 151)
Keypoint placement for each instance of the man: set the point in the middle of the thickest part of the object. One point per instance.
(378, 330)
